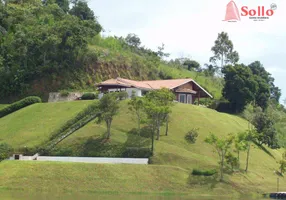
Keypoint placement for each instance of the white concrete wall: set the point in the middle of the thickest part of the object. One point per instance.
(95, 160)
(142, 161)
(56, 96)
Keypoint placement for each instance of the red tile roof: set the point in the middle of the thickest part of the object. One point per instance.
(156, 84)
(149, 85)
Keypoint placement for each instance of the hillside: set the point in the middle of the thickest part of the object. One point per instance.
(60, 50)
(173, 160)
(33, 125)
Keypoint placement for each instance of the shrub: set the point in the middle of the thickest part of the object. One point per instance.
(122, 95)
(19, 105)
(137, 153)
(5, 151)
(192, 135)
(89, 96)
(198, 172)
(64, 93)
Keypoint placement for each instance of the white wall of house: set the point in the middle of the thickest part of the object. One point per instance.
(138, 92)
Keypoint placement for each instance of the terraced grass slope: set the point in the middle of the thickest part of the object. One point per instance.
(33, 125)
(172, 163)
(172, 150)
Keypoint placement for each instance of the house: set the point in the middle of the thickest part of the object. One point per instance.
(185, 90)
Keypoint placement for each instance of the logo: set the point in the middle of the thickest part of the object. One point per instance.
(261, 13)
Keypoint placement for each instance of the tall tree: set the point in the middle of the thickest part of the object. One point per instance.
(240, 86)
(192, 64)
(108, 107)
(133, 40)
(82, 11)
(223, 51)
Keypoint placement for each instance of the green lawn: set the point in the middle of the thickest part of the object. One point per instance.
(172, 163)
(172, 150)
(59, 177)
(33, 125)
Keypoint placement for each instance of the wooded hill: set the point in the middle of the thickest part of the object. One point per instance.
(47, 47)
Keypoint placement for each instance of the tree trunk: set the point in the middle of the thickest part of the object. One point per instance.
(152, 145)
(221, 166)
(139, 120)
(167, 125)
(108, 126)
(247, 158)
(158, 131)
(238, 158)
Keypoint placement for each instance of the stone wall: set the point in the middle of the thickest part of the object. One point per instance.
(56, 96)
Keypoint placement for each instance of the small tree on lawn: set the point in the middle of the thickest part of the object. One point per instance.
(108, 106)
(157, 104)
(158, 108)
(222, 146)
(240, 145)
(282, 164)
(250, 136)
(136, 105)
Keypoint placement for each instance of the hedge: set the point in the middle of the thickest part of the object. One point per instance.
(198, 172)
(19, 105)
(89, 96)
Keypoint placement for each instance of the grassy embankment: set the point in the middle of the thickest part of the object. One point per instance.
(33, 125)
(173, 161)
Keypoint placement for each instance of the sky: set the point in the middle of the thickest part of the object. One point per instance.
(188, 28)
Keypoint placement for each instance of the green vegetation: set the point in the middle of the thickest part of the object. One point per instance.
(174, 158)
(88, 96)
(5, 151)
(19, 105)
(198, 172)
(34, 125)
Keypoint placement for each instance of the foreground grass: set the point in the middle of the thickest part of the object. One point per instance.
(106, 178)
(33, 125)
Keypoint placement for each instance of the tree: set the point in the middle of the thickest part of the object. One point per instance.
(223, 50)
(210, 70)
(108, 107)
(222, 147)
(161, 52)
(133, 40)
(191, 64)
(157, 105)
(240, 86)
(231, 160)
(63, 4)
(5, 151)
(240, 144)
(282, 163)
(267, 133)
(249, 137)
(82, 11)
(136, 105)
